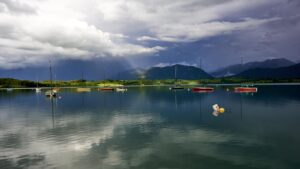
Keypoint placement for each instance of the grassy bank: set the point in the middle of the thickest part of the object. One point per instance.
(14, 83)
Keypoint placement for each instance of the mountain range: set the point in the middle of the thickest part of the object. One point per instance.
(239, 68)
(183, 72)
(167, 72)
(288, 72)
(121, 70)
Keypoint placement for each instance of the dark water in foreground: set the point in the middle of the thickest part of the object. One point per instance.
(151, 128)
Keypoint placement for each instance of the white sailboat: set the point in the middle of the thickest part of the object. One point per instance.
(38, 89)
(51, 93)
(121, 89)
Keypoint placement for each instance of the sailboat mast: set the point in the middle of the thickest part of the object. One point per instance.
(50, 74)
(37, 82)
(175, 72)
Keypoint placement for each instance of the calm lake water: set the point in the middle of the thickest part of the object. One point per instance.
(151, 128)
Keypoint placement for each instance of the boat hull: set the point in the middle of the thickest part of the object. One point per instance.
(245, 89)
(176, 88)
(121, 89)
(106, 89)
(83, 89)
(203, 89)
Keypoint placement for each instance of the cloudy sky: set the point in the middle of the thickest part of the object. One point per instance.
(148, 32)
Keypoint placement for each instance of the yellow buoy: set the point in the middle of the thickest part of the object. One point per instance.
(221, 110)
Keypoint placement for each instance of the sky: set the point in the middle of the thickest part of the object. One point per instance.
(148, 33)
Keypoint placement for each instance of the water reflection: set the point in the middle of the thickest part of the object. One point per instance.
(149, 128)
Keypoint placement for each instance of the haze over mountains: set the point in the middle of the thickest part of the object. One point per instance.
(71, 70)
(122, 70)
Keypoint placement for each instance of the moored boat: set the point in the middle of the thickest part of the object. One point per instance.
(38, 90)
(176, 88)
(245, 89)
(106, 89)
(119, 89)
(52, 93)
(83, 89)
(203, 89)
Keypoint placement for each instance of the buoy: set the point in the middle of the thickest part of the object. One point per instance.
(221, 110)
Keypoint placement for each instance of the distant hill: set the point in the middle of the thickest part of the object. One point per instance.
(183, 72)
(238, 68)
(269, 73)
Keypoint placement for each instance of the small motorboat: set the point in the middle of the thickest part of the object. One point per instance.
(119, 89)
(245, 89)
(203, 89)
(176, 88)
(106, 89)
(83, 89)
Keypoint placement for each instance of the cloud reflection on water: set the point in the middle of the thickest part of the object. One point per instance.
(150, 136)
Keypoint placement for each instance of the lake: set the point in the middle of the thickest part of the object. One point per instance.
(151, 127)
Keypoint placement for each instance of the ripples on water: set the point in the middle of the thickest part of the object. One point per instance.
(151, 128)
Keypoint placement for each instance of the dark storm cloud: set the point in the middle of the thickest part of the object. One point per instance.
(279, 38)
(150, 32)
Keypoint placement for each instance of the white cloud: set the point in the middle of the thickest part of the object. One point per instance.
(33, 38)
(147, 38)
(190, 33)
(177, 20)
(31, 31)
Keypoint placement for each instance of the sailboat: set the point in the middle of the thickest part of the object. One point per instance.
(202, 89)
(176, 86)
(37, 89)
(51, 93)
(245, 89)
(121, 88)
(83, 89)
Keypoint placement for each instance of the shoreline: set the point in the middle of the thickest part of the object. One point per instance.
(163, 85)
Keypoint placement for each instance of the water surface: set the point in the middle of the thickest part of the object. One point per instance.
(151, 128)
